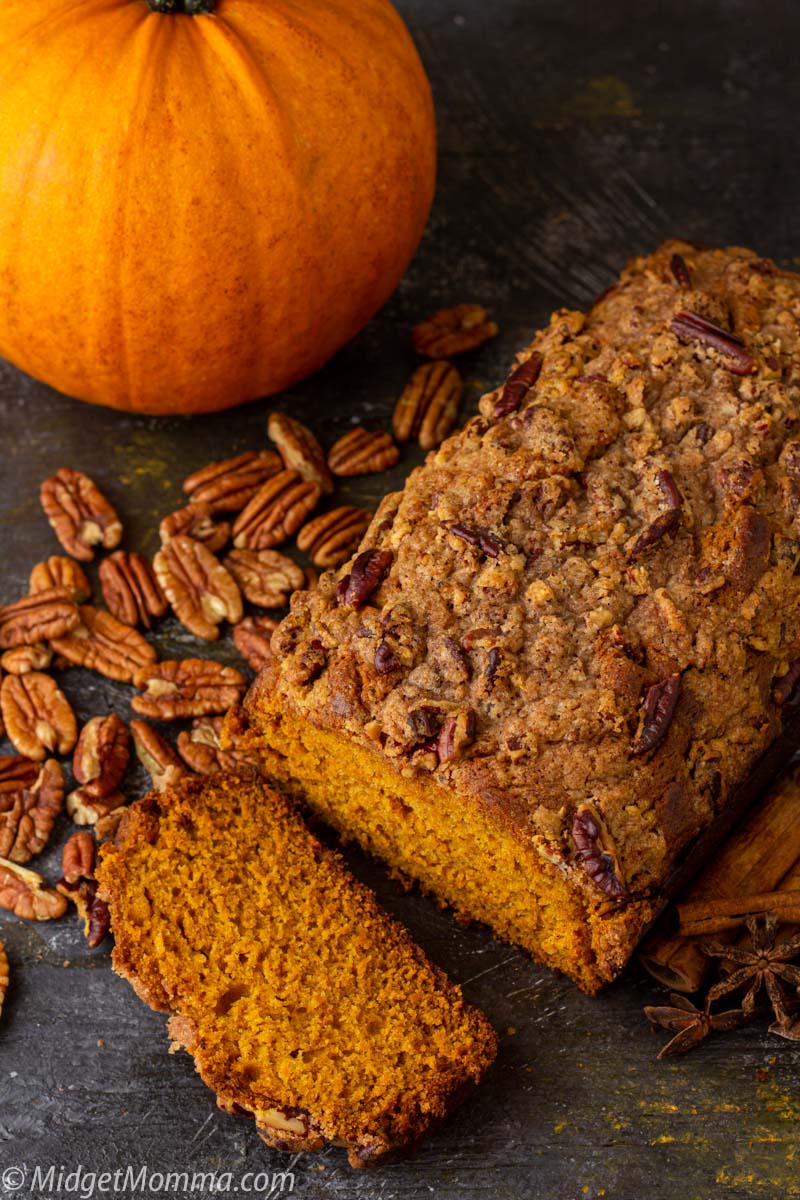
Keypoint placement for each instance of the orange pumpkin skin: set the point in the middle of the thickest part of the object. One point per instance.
(200, 210)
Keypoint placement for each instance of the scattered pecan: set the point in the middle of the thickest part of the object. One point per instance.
(201, 591)
(22, 659)
(457, 733)
(691, 327)
(5, 976)
(677, 265)
(156, 755)
(30, 801)
(452, 331)
(79, 885)
(201, 749)
(23, 892)
(196, 520)
(266, 577)
(229, 485)
(300, 451)
(86, 809)
(37, 715)
(79, 514)
(252, 638)
(596, 851)
(517, 386)
(130, 589)
(190, 688)
(784, 686)
(102, 643)
(60, 572)
(332, 537)
(428, 408)
(360, 452)
(367, 575)
(658, 708)
(37, 618)
(276, 511)
(482, 539)
(101, 755)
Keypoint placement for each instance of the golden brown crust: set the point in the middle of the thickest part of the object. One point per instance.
(589, 593)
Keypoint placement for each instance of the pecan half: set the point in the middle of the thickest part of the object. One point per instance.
(196, 520)
(229, 485)
(385, 660)
(252, 638)
(60, 572)
(79, 885)
(428, 408)
(276, 511)
(517, 386)
(5, 975)
(691, 327)
(201, 591)
(596, 852)
(201, 749)
(78, 857)
(79, 514)
(37, 715)
(360, 452)
(657, 711)
(130, 589)
(677, 265)
(102, 643)
(367, 575)
(156, 755)
(452, 331)
(482, 539)
(300, 451)
(22, 659)
(193, 687)
(332, 537)
(456, 735)
(28, 806)
(23, 892)
(85, 809)
(266, 577)
(101, 755)
(37, 618)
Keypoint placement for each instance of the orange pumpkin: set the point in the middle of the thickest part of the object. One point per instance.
(201, 202)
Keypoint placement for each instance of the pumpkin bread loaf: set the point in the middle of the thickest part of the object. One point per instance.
(302, 1002)
(562, 648)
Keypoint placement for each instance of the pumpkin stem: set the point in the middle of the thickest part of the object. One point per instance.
(192, 7)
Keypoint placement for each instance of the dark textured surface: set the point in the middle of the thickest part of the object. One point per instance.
(572, 135)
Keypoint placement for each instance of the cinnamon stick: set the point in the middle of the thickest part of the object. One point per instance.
(713, 916)
(759, 856)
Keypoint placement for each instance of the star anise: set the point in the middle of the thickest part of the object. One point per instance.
(766, 963)
(690, 1024)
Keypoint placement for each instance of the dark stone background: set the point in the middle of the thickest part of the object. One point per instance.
(573, 135)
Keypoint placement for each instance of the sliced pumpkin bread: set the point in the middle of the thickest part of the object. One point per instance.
(302, 1002)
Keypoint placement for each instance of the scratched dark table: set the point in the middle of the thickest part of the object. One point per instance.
(572, 135)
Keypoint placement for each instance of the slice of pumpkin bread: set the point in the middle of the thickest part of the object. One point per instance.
(302, 1002)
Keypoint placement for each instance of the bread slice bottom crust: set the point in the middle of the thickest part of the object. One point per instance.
(302, 1002)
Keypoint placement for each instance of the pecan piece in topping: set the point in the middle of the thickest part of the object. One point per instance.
(30, 801)
(367, 575)
(677, 264)
(37, 618)
(276, 511)
(193, 687)
(22, 659)
(252, 638)
(456, 735)
(691, 327)
(156, 756)
(102, 643)
(79, 885)
(266, 577)
(428, 408)
(60, 572)
(360, 452)
(666, 522)
(596, 852)
(229, 485)
(385, 660)
(517, 386)
(5, 975)
(23, 892)
(332, 537)
(308, 662)
(37, 715)
(300, 451)
(201, 749)
(130, 589)
(783, 687)
(196, 520)
(657, 711)
(101, 755)
(482, 539)
(79, 514)
(201, 591)
(452, 331)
